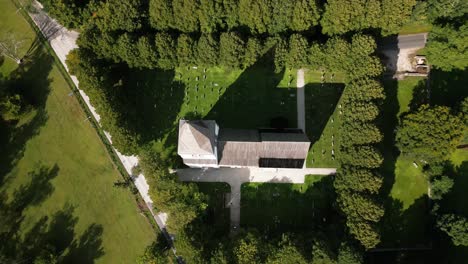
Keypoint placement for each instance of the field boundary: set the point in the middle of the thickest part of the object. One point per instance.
(116, 162)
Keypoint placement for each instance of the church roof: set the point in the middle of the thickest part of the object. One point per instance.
(197, 137)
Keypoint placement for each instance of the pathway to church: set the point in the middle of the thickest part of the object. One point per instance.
(300, 100)
(235, 177)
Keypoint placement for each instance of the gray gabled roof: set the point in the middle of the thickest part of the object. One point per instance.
(197, 137)
(247, 147)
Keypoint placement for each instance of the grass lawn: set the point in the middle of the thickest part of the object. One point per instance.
(406, 220)
(248, 98)
(13, 25)
(57, 175)
(323, 117)
(415, 27)
(287, 207)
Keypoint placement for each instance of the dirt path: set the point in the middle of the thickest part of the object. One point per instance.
(300, 100)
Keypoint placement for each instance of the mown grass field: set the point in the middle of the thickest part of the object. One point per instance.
(57, 174)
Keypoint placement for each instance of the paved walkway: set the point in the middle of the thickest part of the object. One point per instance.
(236, 177)
(300, 100)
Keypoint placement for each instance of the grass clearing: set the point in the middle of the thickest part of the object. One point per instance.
(287, 207)
(406, 220)
(57, 174)
(415, 27)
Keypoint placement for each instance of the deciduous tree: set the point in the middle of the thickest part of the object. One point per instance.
(456, 227)
(431, 133)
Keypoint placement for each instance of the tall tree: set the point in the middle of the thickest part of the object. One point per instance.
(121, 15)
(207, 50)
(160, 14)
(447, 47)
(166, 50)
(456, 227)
(253, 51)
(186, 50)
(231, 50)
(255, 15)
(431, 133)
(305, 15)
(365, 232)
(185, 14)
(298, 48)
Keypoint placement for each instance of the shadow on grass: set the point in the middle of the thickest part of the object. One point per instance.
(254, 100)
(455, 201)
(141, 105)
(406, 228)
(31, 81)
(27, 195)
(52, 235)
(420, 96)
(285, 207)
(320, 103)
(388, 121)
(448, 88)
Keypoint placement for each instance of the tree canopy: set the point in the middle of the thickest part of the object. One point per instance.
(431, 133)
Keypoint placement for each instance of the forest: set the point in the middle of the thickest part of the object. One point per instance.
(123, 43)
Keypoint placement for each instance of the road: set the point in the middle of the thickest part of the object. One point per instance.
(236, 177)
(412, 41)
(400, 50)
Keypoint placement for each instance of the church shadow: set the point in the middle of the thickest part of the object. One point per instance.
(320, 103)
(254, 99)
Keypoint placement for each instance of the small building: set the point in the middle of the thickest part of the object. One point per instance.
(203, 144)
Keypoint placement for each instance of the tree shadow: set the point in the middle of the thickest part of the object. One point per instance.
(406, 228)
(87, 248)
(388, 51)
(254, 99)
(454, 201)
(448, 88)
(56, 236)
(286, 207)
(320, 103)
(37, 190)
(25, 196)
(55, 232)
(31, 81)
(388, 121)
(146, 103)
(420, 96)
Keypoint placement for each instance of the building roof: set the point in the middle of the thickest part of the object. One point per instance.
(197, 137)
(247, 147)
